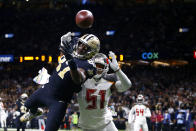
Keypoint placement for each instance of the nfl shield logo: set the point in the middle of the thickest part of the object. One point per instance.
(90, 72)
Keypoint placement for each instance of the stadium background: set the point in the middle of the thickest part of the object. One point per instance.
(130, 28)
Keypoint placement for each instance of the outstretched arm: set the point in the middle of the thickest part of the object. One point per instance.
(123, 83)
(77, 75)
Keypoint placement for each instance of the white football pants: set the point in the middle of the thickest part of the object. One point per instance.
(3, 122)
(138, 126)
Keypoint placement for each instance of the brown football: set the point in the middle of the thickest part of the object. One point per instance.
(84, 19)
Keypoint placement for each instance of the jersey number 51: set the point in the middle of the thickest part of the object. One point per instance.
(90, 97)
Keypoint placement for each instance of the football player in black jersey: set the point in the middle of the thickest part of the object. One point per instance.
(19, 103)
(74, 68)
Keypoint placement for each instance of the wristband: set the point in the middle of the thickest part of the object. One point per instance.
(68, 56)
(117, 70)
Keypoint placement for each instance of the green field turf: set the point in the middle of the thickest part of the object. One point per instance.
(13, 129)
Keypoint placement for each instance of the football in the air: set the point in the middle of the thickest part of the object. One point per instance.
(84, 19)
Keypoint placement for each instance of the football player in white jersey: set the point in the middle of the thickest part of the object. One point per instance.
(95, 94)
(3, 115)
(138, 114)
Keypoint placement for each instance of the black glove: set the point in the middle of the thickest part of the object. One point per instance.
(67, 49)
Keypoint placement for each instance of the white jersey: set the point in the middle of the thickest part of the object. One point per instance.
(139, 112)
(3, 114)
(1, 106)
(93, 104)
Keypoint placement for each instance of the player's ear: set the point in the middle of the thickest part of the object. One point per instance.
(61, 53)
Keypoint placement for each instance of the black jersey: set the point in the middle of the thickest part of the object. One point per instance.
(19, 103)
(60, 82)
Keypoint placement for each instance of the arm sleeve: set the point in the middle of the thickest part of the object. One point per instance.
(131, 115)
(0, 106)
(110, 77)
(123, 82)
(147, 112)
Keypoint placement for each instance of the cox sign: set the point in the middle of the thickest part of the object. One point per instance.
(150, 55)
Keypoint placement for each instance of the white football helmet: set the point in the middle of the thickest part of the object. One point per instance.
(140, 98)
(24, 96)
(102, 65)
(88, 45)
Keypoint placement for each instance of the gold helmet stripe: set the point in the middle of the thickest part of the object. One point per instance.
(88, 37)
(85, 36)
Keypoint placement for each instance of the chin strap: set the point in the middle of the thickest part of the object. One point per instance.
(123, 83)
(97, 77)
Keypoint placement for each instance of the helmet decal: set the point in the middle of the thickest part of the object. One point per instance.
(92, 45)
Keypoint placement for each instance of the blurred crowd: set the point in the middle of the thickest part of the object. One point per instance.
(160, 28)
(168, 92)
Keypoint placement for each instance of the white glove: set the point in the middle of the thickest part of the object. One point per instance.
(66, 37)
(42, 78)
(114, 63)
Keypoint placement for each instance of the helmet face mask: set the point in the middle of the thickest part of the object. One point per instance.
(87, 46)
(24, 97)
(102, 65)
(100, 68)
(140, 98)
(82, 48)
